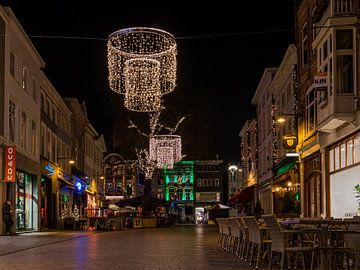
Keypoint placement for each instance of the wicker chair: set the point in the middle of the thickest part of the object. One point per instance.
(235, 235)
(221, 233)
(243, 240)
(351, 248)
(280, 243)
(256, 239)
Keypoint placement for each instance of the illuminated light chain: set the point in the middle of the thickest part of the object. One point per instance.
(296, 102)
(147, 165)
(142, 85)
(141, 42)
(273, 127)
(165, 150)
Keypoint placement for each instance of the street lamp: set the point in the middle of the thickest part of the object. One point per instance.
(71, 160)
(232, 169)
(281, 119)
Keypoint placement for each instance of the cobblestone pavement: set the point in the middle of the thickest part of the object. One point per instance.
(178, 247)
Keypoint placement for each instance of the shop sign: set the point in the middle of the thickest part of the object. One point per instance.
(10, 163)
(286, 167)
(320, 80)
(49, 169)
(289, 141)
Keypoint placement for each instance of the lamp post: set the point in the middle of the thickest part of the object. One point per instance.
(232, 169)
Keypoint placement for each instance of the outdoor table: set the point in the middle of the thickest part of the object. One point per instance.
(323, 230)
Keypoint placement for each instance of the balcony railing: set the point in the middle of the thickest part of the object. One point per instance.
(344, 7)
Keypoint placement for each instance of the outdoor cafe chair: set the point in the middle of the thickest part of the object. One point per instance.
(280, 243)
(256, 239)
(243, 240)
(235, 235)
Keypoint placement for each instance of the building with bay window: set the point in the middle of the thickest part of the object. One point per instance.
(328, 42)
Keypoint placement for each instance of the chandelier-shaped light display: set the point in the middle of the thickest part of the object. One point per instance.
(165, 150)
(142, 85)
(151, 49)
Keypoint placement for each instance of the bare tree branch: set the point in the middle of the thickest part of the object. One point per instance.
(132, 125)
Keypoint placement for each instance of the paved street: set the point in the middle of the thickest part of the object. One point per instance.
(178, 247)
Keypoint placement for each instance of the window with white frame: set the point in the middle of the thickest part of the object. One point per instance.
(24, 77)
(311, 112)
(33, 137)
(48, 144)
(23, 125)
(13, 64)
(344, 61)
(34, 89)
(345, 154)
(325, 66)
(12, 120)
(42, 140)
(305, 44)
(42, 98)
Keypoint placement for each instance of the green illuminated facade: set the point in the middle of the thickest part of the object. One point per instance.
(179, 182)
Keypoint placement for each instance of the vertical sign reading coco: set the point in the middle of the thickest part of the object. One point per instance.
(10, 163)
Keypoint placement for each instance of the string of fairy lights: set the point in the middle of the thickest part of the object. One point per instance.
(142, 65)
(165, 150)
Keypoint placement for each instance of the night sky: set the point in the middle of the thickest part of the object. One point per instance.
(223, 48)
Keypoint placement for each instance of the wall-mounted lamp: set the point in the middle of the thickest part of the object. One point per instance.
(71, 160)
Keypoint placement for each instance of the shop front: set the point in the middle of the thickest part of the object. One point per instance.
(56, 195)
(286, 188)
(343, 181)
(26, 210)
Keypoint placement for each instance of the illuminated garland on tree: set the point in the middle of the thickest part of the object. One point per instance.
(165, 150)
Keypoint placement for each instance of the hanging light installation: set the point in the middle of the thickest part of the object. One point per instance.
(165, 150)
(142, 66)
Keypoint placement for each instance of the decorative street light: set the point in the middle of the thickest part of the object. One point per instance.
(232, 169)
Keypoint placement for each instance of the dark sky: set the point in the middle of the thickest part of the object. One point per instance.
(219, 73)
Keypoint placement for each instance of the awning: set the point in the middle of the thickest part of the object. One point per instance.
(244, 196)
(219, 206)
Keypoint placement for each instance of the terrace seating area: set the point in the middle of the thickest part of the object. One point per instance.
(298, 243)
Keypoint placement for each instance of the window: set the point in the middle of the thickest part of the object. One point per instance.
(33, 137)
(344, 61)
(42, 99)
(24, 78)
(11, 121)
(344, 39)
(349, 152)
(305, 47)
(12, 65)
(331, 160)
(48, 144)
(325, 50)
(55, 115)
(344, 71)
(34, 94)
(343, 155)
(310, 112)
(42, 140)
(357, 149)
(23, 129)
(337, 158)
(53, 149)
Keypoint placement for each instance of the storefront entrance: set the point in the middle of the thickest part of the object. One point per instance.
(26, 208)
